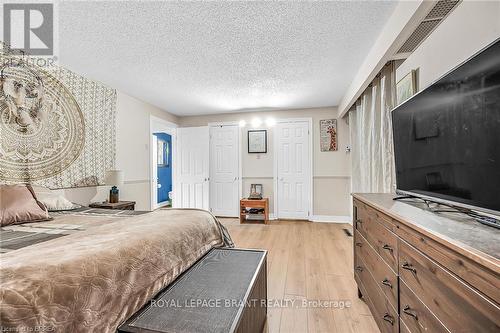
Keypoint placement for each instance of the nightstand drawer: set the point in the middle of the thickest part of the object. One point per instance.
(385, 278)
(457, 305)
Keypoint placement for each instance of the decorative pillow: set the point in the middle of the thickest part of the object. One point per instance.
(55, 201)
(18, 204)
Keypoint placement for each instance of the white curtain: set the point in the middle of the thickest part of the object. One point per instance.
(372, 157)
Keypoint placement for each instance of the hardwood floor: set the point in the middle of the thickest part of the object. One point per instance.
(307, 261)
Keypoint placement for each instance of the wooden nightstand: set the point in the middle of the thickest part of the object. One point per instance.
(262, 204)
(121, 205)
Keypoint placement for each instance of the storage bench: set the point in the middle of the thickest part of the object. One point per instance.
(224, 291)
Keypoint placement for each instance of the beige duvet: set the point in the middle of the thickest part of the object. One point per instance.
(93, 280)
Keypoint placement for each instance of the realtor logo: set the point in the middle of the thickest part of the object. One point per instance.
(29, 27)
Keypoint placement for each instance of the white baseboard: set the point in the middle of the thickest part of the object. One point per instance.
(331, 218)
(272, 217)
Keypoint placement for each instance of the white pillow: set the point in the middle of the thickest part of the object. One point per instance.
(55, 201)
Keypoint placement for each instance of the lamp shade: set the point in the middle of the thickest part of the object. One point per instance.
(114, 177)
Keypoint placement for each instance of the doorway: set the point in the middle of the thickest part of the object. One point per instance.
(163, 169)
(163, 141)
(293, 168)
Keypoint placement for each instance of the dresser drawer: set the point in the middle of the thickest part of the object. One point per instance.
(403, 328)
(385, 278)
(371, 226)
(483, 279)
(416, 315)
(384, 314)
(458, 306)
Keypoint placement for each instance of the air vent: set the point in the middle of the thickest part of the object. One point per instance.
(431, 21)
(347, 232)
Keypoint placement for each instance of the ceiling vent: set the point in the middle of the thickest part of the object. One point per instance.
(431, 21)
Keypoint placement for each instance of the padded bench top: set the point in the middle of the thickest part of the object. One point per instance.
(208, 297)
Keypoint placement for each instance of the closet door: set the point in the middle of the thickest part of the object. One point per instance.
(224, 170)
(293, 169)
(193, 185)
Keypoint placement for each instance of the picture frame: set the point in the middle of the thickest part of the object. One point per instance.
(257, 141)
(328, 135)
(256, 191)
(406, 87)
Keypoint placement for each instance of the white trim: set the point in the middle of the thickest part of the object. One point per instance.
(240, 157)
(171, 129)
(331, 219)
(275, 162)
(272, 217)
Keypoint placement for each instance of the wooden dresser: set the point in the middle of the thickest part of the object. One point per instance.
(420, 271)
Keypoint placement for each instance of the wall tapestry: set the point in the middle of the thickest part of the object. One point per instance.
(57, 128)
(328, 134)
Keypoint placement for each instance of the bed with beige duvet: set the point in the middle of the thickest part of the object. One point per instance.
(97, 269)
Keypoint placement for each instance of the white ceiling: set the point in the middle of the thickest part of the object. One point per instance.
(196, 58)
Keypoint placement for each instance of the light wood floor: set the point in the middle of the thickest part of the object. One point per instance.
(307, 261)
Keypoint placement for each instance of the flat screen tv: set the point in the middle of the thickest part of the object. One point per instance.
(447, 137)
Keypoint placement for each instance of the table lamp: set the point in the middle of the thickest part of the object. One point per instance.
(114, 178)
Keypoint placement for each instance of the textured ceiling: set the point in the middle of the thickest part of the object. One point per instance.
(210, 57)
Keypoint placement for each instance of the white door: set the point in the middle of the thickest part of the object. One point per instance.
(293, 169)
(192, 174)
(224, 170)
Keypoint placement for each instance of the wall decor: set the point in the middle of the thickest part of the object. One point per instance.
(257, 141)
(328, 134)
(406, 87)
(57, 129)
(255, 191)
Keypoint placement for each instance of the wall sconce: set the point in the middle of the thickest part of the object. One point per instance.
(270, 122)
(256, 122)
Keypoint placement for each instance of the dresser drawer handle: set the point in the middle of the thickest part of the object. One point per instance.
(359, 268)
(388, 248)
(389, 318)
(409, 267)
(407, 309)
(359, 244)
(387, 283)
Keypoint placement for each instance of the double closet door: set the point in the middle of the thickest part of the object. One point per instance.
(209, 170)
(293, 169)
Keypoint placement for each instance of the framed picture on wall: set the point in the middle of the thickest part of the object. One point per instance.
(257, 141)
(406, 87)
(328, 135)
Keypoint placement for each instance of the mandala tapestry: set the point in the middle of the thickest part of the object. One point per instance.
(57, 129)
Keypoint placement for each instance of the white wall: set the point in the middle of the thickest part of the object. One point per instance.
(331, 170)
(132, 153)
(470, 27)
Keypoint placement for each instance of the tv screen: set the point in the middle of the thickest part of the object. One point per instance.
(447, 137)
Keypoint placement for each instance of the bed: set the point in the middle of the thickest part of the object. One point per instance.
(89, 270)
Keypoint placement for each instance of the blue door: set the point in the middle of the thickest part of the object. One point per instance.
(164, 166)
